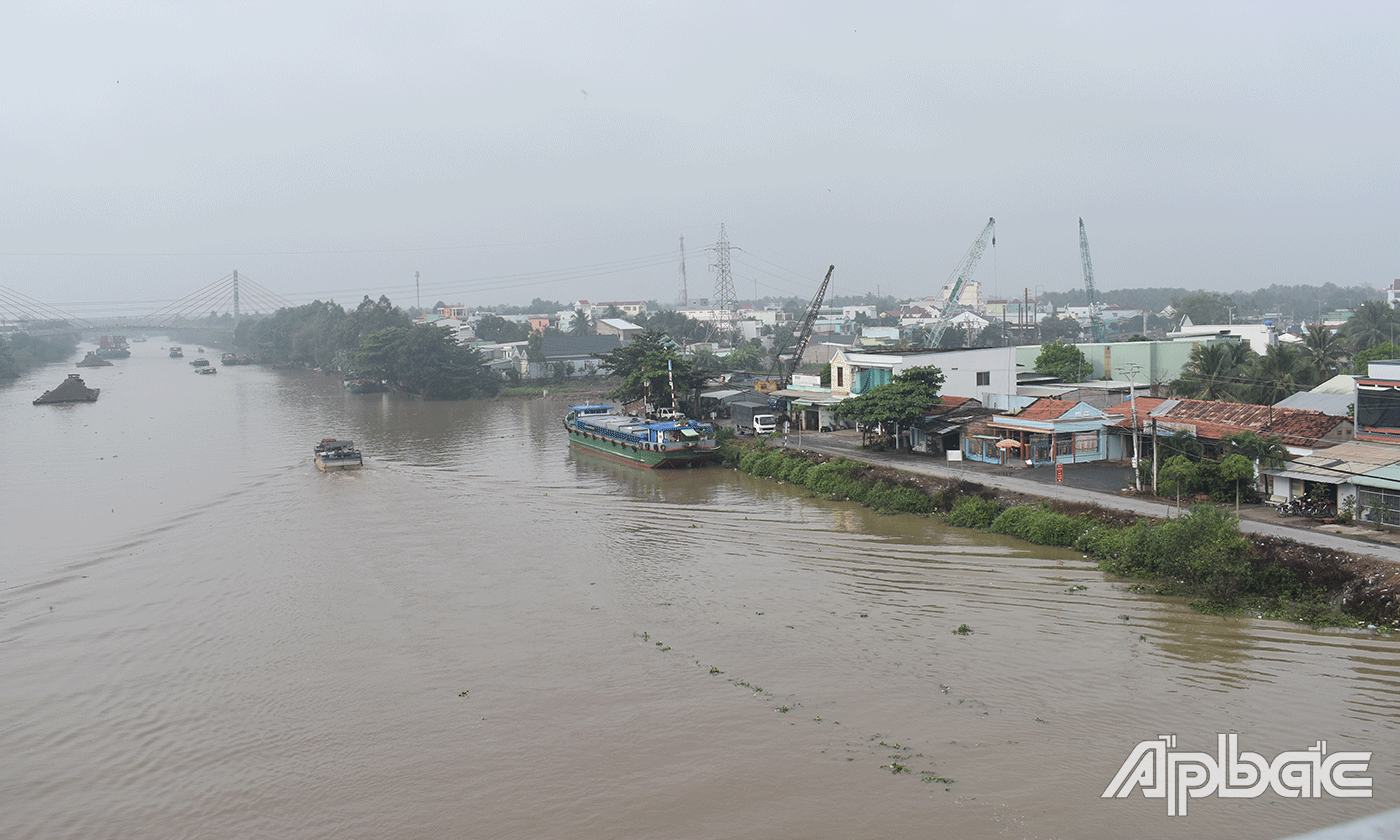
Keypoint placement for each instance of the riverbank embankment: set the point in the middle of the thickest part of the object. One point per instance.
(1204, 553)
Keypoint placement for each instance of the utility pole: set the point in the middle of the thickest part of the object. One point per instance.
(1132, 397)
(685, 294)
(1154, 456)
(724, 285)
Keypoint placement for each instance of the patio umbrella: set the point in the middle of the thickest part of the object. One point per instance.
(1008, 444)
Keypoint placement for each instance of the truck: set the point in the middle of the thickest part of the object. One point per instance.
(753, 418)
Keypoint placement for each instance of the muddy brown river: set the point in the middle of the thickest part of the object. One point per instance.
(484, 634)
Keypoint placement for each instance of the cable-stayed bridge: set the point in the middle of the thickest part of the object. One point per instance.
(216, 307)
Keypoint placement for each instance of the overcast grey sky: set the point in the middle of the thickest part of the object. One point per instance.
(560, 149)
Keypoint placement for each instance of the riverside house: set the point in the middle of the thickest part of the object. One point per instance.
(1045, 432)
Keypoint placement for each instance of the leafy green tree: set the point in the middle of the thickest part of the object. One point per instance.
(1237, 468)
(380, 355)
(992, 335)
(704, 360)
(902, 401)
(433, 365)
(498, 330)
(20, 352)
(426, 360)
(1180, 442)
(1063, 360)
(1360, 363)
(1204, 307)
(641, 364)
(1062, 328)
(1179, 473)
(1267, 451)
(744, 357)
(678, 325)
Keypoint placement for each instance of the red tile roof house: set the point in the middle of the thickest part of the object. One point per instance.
(1301, 431)
(1045, 432)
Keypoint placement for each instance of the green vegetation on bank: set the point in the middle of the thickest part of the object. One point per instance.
(375, 339)
(1200, 555)
(21, 352)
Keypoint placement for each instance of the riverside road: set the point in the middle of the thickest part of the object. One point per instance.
(1099, 484)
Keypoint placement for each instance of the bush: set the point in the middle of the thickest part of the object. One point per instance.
(834, 479)
(973, 512)
(1103, 543)
(794, 471)
(1039, 525)
(769, 464)
(895, 498)
(1202, 550)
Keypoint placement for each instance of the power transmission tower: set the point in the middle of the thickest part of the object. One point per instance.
(685, 297)
(724, 286)
(418, 293)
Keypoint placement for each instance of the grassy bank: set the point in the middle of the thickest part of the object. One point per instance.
(1201, 555)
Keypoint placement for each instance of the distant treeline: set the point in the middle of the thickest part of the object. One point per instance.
(21, 352)
(1302, 302)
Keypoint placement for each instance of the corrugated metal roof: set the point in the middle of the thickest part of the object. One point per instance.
(1328, 403)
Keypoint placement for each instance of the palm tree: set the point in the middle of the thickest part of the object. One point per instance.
(1371, 324)
(582, 324)
(1214, 372)
(1324, 349)
(1282, 371)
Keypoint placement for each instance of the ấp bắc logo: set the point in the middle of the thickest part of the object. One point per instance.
(1161, 771)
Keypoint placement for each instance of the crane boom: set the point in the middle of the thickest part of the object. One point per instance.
(804, 335)
(959, 279)
(1096, 326)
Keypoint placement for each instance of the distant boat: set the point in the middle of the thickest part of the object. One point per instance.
(365, 386)
(113, 347)
(206, 370)
(94, 360)
(201, 362)
(177, 353)
(332, 455)
(72, 389)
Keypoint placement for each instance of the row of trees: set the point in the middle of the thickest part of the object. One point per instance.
(1303, 302)
(376, 339)
(20, 352)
